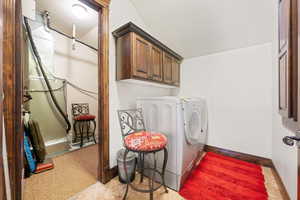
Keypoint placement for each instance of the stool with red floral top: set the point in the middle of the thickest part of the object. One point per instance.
(138, 140)
(82, 122)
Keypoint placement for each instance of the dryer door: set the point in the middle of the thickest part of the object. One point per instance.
(195, 121)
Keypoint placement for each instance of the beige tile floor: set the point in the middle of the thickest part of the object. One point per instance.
(114, 191)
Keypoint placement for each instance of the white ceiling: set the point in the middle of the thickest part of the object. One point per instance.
(198, 27)
(62, 17)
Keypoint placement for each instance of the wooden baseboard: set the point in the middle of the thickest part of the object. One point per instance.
(279, 182)
(241, 156)
(113, 172)
(252, 159)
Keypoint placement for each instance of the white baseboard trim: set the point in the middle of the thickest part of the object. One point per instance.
(55, 142)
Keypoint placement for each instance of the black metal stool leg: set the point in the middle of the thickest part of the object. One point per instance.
(75, 131)
(81, 133)
(164, 168)
(150, 187)
(142, 166)
(88, 123)
(153, 177)
(94, 137)
(126, 174)
(140, 162)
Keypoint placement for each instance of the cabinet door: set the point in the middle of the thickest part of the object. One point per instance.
(283, 85)
(156, 66)
(141, 57)
(167, 68)
(175, 72)
(284, 57)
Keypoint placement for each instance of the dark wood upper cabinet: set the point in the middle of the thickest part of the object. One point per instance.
(171, 70)
(156, 66)
(140, 56)
(283, 85)
(284, 23)
(288, 63)
(176, 72)
(284, 57)
(167, 68)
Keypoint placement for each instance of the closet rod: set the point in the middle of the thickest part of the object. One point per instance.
(46, 15)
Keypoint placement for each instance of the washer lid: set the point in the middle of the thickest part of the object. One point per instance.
(195, 120)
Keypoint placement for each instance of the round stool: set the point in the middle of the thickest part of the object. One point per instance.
(84, 121)
(144, 142)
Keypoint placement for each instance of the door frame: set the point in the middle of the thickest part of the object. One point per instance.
(2, 183)
(13, 89)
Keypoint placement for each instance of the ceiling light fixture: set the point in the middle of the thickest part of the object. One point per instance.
(79, 11)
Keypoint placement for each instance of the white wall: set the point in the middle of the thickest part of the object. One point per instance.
(238, 87)
(123, 95)
(79, 66)
(284, 157)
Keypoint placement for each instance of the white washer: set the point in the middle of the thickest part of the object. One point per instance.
(184, 122)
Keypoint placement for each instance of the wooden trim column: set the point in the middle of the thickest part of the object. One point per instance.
(105, 173)
(2, 183)
(12, 85)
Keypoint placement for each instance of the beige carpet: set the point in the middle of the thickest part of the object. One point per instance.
(73, 172)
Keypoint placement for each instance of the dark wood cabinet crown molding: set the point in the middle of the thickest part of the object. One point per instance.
(131, 27)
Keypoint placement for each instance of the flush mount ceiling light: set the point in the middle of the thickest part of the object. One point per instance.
(79, 11)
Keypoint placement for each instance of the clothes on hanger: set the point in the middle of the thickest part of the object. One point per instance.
(29, 154)
(36, 138)
(34, 145)
(26, 118)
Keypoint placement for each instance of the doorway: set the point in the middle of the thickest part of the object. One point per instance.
(13, 87)
(60, 104)
(61, 87)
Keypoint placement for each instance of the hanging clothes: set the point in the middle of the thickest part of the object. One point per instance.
(36, 138)
(27, 172)
(29, 154)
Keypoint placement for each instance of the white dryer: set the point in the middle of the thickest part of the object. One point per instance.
(184, 122)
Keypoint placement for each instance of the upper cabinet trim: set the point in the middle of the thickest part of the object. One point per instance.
(131, 27)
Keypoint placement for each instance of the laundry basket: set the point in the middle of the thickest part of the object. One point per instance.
(130, 162)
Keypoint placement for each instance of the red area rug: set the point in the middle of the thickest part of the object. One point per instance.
(220, 177)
